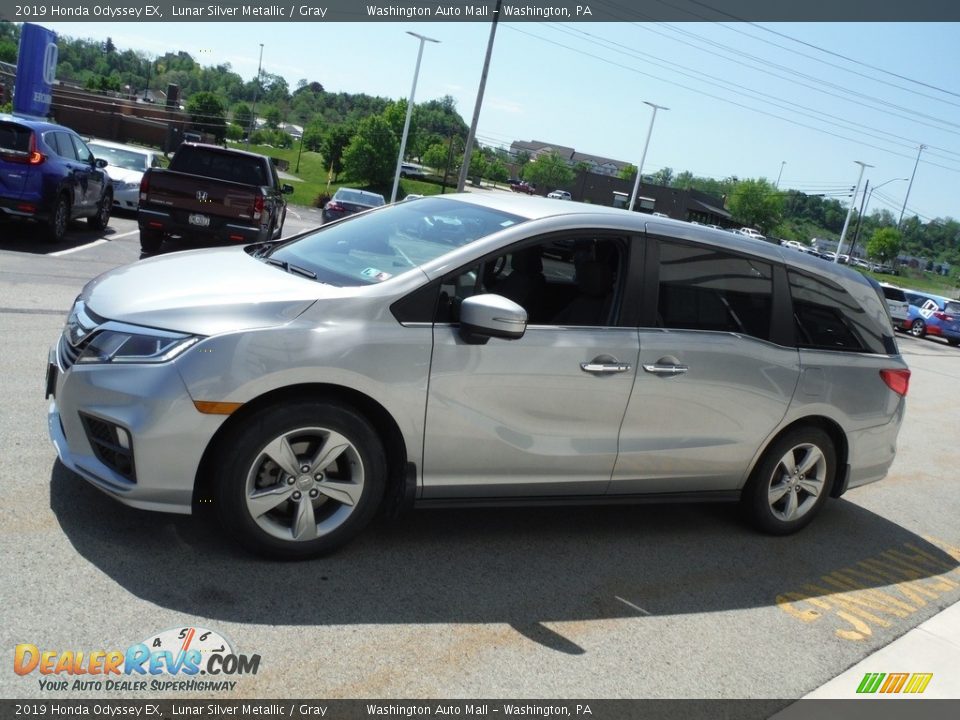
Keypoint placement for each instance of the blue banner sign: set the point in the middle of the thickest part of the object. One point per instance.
(36, 70)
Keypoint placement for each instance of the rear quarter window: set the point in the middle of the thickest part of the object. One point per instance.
(892, 293)
(829, 318)
(14, 137)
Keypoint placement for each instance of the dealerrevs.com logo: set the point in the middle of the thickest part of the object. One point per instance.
(894, 683)
(187, 659)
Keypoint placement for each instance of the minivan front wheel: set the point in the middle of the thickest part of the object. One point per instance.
(791, 482)
(299, 480)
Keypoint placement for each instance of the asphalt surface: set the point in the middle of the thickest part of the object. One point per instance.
(621, 602)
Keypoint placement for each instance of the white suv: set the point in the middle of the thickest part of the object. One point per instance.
(898, 305)
(751, 233)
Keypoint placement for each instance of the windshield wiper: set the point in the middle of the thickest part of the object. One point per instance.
(294, 269)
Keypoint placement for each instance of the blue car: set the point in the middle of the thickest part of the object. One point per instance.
(49, 176)
(934, 315)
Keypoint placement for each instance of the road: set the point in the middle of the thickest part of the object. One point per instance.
(635, 602)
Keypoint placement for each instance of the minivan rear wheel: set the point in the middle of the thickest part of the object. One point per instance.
(792, 481)
(296, 481)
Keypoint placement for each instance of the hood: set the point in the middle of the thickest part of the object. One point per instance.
(124, 175)
(204, 292)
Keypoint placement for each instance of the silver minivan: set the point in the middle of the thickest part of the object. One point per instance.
(476, 349)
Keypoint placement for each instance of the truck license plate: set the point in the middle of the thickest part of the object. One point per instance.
(200, 220)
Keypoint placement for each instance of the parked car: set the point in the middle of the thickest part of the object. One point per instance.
(49, 176)
(559, 195)
(348, 201)
(126, 166)
(934, 315)
(297, 387)
(751, 233)
(523, 187)
(898, 306)
(409, 170)
(210, 193)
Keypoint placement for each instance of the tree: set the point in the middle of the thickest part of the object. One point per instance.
(208, 114)
(243, 116)
(333, 143)
(756, 203)
(436, 156)
(884, 245)
(372, 152)
(273, 116)
(549, 170)
(663, 176)
(628, 172)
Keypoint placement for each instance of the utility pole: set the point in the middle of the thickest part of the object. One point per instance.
(846, 223)
(256, 89)
(907, 196)
(468, 148)
(856, 233)
(636, 183)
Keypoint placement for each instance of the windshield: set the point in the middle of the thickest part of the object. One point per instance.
(118, 157)
(373, 247)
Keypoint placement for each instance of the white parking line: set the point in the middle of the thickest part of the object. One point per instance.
(91, 244)
(79, 247)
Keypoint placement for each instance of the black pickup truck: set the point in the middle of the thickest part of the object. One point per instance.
(210, 193)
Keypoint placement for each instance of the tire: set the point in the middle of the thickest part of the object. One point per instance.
(296, 481)
(918, 328)
(791, 482)
(150, 241)
(56, 228)
(102, 218)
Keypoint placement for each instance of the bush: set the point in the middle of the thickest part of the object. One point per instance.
(321, 200)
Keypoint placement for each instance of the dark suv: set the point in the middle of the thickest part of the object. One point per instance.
(48, 175)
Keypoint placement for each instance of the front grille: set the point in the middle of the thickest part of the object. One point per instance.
(105, 439)
(67, 353)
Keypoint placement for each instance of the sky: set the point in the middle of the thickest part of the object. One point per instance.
(798, 101)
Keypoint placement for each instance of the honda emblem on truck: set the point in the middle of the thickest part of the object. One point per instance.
(202, 195)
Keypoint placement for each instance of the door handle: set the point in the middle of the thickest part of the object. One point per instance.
(604, 368)
(668, 370)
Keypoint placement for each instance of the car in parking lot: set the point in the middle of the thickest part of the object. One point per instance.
(298, 387)
(559, 195)
(49, 176)
(898, 305)
(126, 166)
(934, 315)
(349, 201)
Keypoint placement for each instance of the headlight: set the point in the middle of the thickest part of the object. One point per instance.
(142, 346)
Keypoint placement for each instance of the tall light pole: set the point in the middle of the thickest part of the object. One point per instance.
(406, 123)
(907, 196)
(780, 174)
(863, 209)
(256, 89)
(636, 183)
(468, 146)
(846, 223)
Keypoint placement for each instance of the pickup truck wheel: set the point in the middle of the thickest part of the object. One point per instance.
(56, 227)
(297, 480)
(102, 218)
(150, 240)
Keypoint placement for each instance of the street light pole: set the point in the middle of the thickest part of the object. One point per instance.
(643, 157)
(406, 123)
(256, 89)
(846, 223)
(866, 204)
(780, 174)
(907, 196)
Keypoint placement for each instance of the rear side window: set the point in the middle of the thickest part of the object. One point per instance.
(707, 289)
(892, 293)
(14, 137)
(829, 318)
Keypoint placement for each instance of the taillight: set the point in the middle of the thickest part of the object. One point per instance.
(897, 380)
(942, 316)
(258, 204)
(334, 205)
(144, 187)
(34, 156)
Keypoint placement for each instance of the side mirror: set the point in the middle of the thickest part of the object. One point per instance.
(100, 163)
(491, 316)
(286, 189)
